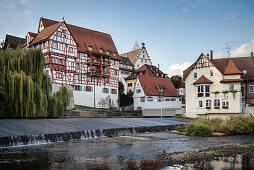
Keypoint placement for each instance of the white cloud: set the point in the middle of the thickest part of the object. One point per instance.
(184, 10)
(229, 17)
(243, 50)
(177, 69)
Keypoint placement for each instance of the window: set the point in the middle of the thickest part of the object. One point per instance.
(208, 103)
(107, 52)
(90, 48)
(251, 88)
(149, 99)
(53, 60)
(113, 91)
(159, 99)
(114, 54)
(216, 103)
(88, 88)
(105, 90)
(56, 61)
(77, 88)
(60, 61)
(59, 75)
(113, 62)
(195, 75)
(200, 103)
(138, 91)
(211, 72)
(59, 34)
(231, 87)
(77, 77)
(203, 91)
(71, 50)
(107, 81)
(129, 84)
(142, 99)
(137, 65)
(77, 67)
(225, 103)
(55, 45)
(114, 72)
(101, 51)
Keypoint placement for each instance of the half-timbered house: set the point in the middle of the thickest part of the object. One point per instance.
(84, 59)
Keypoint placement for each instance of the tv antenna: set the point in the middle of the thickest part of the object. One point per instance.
(228, 47)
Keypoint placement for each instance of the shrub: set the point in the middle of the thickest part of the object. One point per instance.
(198, 129)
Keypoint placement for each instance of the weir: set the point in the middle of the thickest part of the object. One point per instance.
(26, 140)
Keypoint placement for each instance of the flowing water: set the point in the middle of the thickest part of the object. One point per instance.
(140, 151)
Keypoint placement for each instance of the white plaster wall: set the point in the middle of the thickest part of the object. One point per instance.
(85, 98)
(121, 79)
(143, 58)
(192, 108)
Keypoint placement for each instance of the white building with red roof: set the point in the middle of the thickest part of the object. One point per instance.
(84, 59)
(219, 87)
(156, 96)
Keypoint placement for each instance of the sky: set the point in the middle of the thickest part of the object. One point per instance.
(175, 32)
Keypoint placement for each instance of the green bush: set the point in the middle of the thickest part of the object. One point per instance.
(198, 129)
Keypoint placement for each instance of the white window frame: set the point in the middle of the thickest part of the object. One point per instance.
(208, 103)
(53, 45)
(251, 88)
(202, 89)
(138, 91)
(195, 75)
(225, 103)
(142, 99)
(200, 104)
(216, 103)
(149, 99)
(231, 87)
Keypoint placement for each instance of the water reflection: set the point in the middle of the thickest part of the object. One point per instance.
(139, 154)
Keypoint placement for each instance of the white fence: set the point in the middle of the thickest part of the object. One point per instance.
(164, 112)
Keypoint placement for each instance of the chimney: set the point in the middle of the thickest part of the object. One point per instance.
(143, 45)
(251, 55)
(211, 54)
(158, 66)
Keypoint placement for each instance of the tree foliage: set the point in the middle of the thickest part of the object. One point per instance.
(25, 89)
(176, 80)
(125, 100)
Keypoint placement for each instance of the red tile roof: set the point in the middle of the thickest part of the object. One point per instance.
(46, 33)
(231, 80)
(132, 55)
(231, 68)
(241, 63)
(150, 86)
(32, 34)
(203, 80)
(84, 38)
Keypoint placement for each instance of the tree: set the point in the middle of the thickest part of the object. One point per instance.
(176, 80)
(125, 100)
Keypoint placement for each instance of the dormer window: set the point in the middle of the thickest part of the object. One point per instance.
(107, 52)
(101, 51)
(90, 48)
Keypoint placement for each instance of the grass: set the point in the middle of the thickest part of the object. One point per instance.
(233, 126)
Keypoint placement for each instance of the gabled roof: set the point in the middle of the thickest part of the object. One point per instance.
(150, 86)
(84, 38)
(240, 63)
(203, 80)
(132, 55)
(13, 41)
(46, 33)
(231, 68)
(146, 70)
(125, 60)
(32, 34)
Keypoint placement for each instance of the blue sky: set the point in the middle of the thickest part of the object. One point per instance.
(175, 32)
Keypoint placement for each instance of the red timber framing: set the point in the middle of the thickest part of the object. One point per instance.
(70, 67)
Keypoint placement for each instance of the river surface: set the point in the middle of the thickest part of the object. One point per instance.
(139, 151)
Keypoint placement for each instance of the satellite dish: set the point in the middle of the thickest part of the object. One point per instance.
(244, 72)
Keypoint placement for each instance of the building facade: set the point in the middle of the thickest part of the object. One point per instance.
(154, 95)
(219, 87)
(146, 70)
(138, 56)
(84, 59)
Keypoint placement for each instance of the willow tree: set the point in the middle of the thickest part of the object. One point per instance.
(24, 87)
